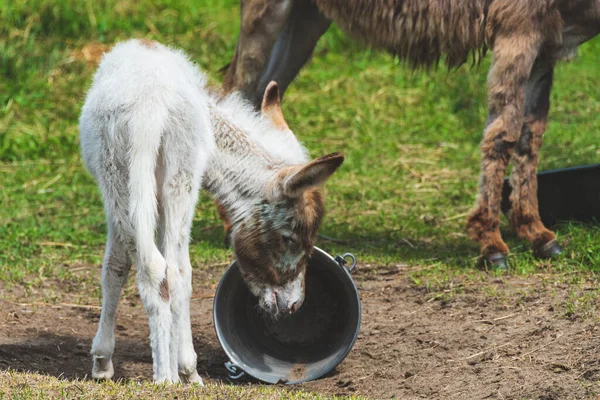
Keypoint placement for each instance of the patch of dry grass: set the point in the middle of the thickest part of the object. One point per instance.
(21, 385)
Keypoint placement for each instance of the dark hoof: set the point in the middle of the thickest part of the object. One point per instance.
(549, 250)
(495, 262)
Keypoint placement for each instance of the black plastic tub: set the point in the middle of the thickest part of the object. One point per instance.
(568, 194)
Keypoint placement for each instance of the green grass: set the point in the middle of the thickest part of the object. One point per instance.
(19, 385)
(410, 139)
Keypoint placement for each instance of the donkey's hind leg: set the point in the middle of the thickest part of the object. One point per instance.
(115, 270)
(524, 215)
(180, 170)
(512, 64)
(177, 209)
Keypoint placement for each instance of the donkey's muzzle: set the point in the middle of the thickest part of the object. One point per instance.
(285, 305)
(296, 346)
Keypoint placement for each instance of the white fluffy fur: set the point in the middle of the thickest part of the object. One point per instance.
(148, 136)
(281, 146)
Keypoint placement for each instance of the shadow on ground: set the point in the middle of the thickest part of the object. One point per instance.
(68, 357)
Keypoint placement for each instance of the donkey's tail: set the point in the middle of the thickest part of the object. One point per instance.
(146, 128)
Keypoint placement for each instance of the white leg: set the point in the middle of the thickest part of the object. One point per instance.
(175, 288)
(115, 270)
(176, 294)
(180, 183)
(153, 284)
(178, 213)
(187, 356)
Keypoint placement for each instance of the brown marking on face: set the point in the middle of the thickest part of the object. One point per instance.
(264, 247)
(163, 290)
(151, 44)
(255, 252)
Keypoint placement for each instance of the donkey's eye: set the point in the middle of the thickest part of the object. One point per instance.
(288, 239)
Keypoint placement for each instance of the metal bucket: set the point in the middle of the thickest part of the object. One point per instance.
(296, 348)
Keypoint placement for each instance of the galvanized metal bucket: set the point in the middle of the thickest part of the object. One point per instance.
(297, 348)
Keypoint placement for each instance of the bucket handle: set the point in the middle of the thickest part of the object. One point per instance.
(342, 261)
(234, 372)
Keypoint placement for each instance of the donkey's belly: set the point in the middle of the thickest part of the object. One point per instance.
(573, 36)
(581, 22)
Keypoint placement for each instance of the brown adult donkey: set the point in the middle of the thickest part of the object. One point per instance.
(526, 38)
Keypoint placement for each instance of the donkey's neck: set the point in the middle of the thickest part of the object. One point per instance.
(240, 170)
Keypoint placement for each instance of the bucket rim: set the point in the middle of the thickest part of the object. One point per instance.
(234, 360)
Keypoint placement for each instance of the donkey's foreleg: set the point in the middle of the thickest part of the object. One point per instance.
(180, 171)
(513, 60)
(261, 22)
(524, 215)
(293, 48)
(115, 270)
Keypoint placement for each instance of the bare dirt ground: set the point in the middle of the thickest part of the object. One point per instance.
(503, 338)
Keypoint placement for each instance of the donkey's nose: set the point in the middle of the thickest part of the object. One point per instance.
(294, 307)
(284, 306)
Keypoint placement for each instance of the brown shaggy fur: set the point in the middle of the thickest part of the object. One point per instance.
(418, 31)
(526, 38)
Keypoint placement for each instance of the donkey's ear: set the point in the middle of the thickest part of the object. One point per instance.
(314, 173)
(271, 105)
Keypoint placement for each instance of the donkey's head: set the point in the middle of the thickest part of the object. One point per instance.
(274, 243)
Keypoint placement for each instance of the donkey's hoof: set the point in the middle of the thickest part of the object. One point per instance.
(495, 262)
(549, 250)
(192, 378)
(103, 368)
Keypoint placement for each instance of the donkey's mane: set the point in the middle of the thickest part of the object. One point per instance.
(281, 146)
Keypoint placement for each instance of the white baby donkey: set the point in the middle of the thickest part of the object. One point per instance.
(152, 135)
